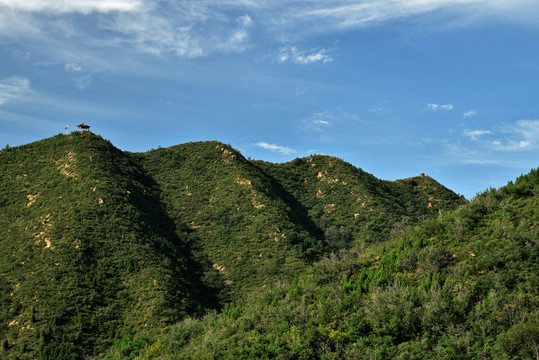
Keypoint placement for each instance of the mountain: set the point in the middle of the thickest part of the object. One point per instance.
(105, 249)
(350, 205)
(259, 221)
(87, 249)
(461, 285)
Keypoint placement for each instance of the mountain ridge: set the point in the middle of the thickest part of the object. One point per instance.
(102, 243)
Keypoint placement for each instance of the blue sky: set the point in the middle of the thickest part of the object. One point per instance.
(445, 87)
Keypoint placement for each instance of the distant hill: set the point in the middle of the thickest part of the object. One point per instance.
(104, 248)
(350, 205)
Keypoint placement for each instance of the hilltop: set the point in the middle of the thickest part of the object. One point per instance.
(88, 250)
(104, 247)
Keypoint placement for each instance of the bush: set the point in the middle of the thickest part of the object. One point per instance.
(521, 340)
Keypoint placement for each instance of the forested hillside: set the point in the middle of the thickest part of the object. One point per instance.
(193, 251)
(258, 222)
(348, 204)
(88, 251)
(463, 285)
(233, 213)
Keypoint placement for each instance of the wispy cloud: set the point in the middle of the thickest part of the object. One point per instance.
(522, 136)
(244, 20)
(324, 125)
(276, 148)
(72, 67)
(292, 54)
(436, 107)
(376, 109)
(157, 27)
(83, 82)
(528, 129)
(72, 6)
(469, 113)
(238, 38)
(475, 134)
(447, 107)
(322, 119)
(319, 124)
(13, 88)
(198, 28)
(345, 14)
(497, 146)
(466, 155)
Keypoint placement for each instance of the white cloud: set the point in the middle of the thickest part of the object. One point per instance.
(524, 135)
(436, 107)
(13, 88)
(203, 27)
(475, 134)
(239, 37)
(72, 67)
(447, 107)
(512, 145)
(529, 129)
(521, 136)
(292, 54)
(321, 122)
(72, 6)
(276, 148)
(244, 20)
(469, 113)
(524, 144)
(343, 14)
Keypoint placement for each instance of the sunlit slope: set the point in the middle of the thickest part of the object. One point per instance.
(87, 249)
(351, 205)
(246, 223)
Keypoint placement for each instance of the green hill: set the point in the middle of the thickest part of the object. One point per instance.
(352, 206)
(105, 249)
(234, 213)
(88, 251)
(464, 285)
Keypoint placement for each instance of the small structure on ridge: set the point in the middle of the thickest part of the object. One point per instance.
(83, 127)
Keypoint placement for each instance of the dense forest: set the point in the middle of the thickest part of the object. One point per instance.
(194, 252)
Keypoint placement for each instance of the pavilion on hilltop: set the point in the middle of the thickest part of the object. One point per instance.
(83, 127)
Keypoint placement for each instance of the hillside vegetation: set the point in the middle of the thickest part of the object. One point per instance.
(350, 205)
(193, 251)
(88, 251)
(463, 285)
